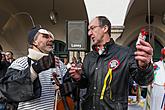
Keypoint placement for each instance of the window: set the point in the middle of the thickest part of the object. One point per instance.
(60, 49)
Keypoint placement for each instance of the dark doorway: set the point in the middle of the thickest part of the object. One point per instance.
(60, 49)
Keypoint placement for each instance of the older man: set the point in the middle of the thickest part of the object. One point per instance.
(28, 79)
(107, 68)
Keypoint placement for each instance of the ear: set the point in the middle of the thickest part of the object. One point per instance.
(35, 43)
(105, 28)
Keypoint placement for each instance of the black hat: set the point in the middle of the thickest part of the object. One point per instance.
(32, 33)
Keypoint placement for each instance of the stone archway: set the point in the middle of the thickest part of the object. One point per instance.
(157, 40)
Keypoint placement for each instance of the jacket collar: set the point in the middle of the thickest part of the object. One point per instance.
(35, 55)
(105, 49)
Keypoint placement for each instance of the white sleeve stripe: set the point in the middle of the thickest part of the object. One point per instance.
(20, 63)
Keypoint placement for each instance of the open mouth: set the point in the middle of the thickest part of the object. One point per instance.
(93, 39)
(49, 44)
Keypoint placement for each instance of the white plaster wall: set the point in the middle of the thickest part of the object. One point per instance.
(115, 10)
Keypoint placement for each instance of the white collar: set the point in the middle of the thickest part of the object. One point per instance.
(100, 51)
(35, 55)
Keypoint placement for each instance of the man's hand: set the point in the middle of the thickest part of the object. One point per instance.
(143, 54)
(45, 63)
(75, 72)
(57, 61)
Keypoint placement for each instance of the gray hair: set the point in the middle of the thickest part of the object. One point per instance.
(105, 21)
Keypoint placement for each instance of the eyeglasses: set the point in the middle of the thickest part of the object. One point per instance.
(92, 28)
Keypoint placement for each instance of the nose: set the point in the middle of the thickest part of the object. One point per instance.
(51, 38)
(89, 32)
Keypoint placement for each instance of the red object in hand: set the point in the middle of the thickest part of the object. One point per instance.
(143, 32)
(155, 66)
(163, 51)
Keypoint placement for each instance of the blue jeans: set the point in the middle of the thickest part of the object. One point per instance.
(2, 106)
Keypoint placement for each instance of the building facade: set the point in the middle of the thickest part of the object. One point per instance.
(128, 17)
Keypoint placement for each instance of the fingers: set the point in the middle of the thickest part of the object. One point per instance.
(75, 76)
(144, 59)
(54, 74)
(57, 61)
(143, 42)
(75, 72)
(144, 53)
(145, 46)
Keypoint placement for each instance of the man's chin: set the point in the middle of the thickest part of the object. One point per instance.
(49, 50)
(94, 43)
(50, 47)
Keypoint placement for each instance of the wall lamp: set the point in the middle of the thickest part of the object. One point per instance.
(25, 13)
(53, 15)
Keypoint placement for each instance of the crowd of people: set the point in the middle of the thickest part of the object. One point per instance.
(39, 80)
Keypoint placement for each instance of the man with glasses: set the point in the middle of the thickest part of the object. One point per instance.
(106, 69)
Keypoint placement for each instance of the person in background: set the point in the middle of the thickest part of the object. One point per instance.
(3, 63)
(158, 86)
(66, 61)
(28, 79)
(79, 60)
(1, 49)
(132, 87)
(106, 70)
(3, 56)
(9, 56)
(74, 60)
(3, 68)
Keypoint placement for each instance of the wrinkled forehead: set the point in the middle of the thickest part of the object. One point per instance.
(45, 33)
(7, 53)
(94, 22)
(51, 35)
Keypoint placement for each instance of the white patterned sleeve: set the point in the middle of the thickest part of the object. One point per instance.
(20, 63)
(63, 68)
